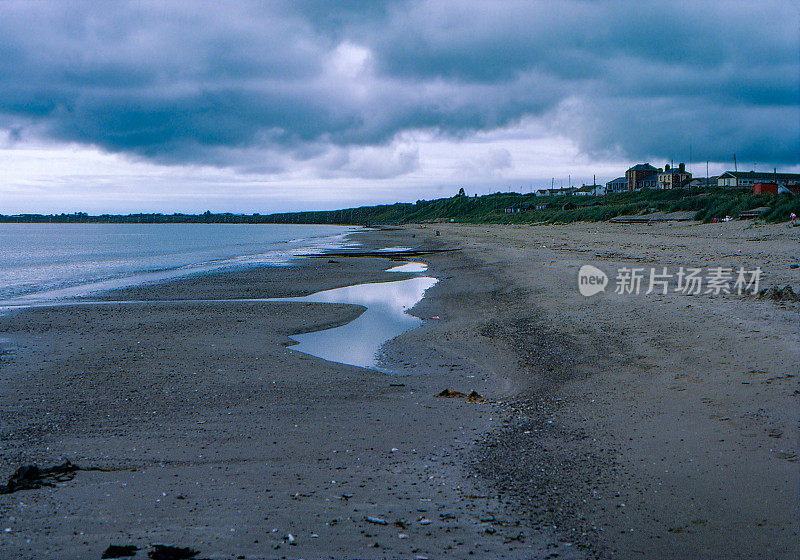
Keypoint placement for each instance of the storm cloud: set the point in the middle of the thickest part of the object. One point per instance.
(265, 86)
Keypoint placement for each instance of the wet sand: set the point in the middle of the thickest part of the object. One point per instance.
(618, 426)
(212, 434)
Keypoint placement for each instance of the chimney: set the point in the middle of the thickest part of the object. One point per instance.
(666, 167)
(681, 168)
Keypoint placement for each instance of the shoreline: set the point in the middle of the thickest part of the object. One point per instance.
(274, 253)
(590, 402)
(211, 434)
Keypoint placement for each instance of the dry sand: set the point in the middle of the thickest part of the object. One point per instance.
(618, 426)
(675, 431)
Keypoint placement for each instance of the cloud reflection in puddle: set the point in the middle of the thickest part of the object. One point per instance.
(357, 343)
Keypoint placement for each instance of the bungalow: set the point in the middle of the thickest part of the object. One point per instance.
(517, 208)
(746, 179)
(590, 190)
(619, 184)
(556, 192)
(703, 182)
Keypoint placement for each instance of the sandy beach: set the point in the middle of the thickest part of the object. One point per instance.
(619, 425)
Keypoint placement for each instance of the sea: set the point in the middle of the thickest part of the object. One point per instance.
(40, 263)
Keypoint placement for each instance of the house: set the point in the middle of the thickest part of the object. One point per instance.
(619, 184)
(517, 208)
(556, 192)
(639, 177)
(648, 182)
(591, 190)
(672, 178)
(703, 182)
(734, 179)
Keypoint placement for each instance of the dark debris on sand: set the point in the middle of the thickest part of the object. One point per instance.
(451, 394)
(168, 552)
(473, 397)
(779, 294)
(29, 477)
(120, 551)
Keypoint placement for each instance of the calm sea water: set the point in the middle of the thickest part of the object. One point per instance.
(42, 262)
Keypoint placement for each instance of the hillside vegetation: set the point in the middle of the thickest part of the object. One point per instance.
(706, 206)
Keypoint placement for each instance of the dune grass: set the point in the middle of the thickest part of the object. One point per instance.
(705, 204)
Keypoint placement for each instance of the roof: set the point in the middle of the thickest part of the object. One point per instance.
(758, 174)
(673, 171)
(705, 181)
(618, 180)
(562, 190)
(642, 167)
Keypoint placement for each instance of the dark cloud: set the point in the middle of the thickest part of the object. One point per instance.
(218, 83)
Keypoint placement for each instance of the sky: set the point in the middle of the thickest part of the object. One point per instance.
(171, 106)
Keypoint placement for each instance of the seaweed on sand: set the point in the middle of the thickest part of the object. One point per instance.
(29, 477)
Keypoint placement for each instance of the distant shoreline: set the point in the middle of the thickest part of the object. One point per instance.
(499, 208)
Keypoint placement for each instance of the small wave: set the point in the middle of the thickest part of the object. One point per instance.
(88, 277)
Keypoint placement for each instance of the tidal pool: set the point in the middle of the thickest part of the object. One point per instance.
(357, 343)
(409, 267)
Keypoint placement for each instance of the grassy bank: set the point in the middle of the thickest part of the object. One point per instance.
(527, 208)
(492, 208)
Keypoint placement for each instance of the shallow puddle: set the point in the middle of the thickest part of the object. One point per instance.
(394, 249)
(357, 343)
(409, 267)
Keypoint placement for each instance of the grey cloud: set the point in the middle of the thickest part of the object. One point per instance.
(490, 164)
(218, 84)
